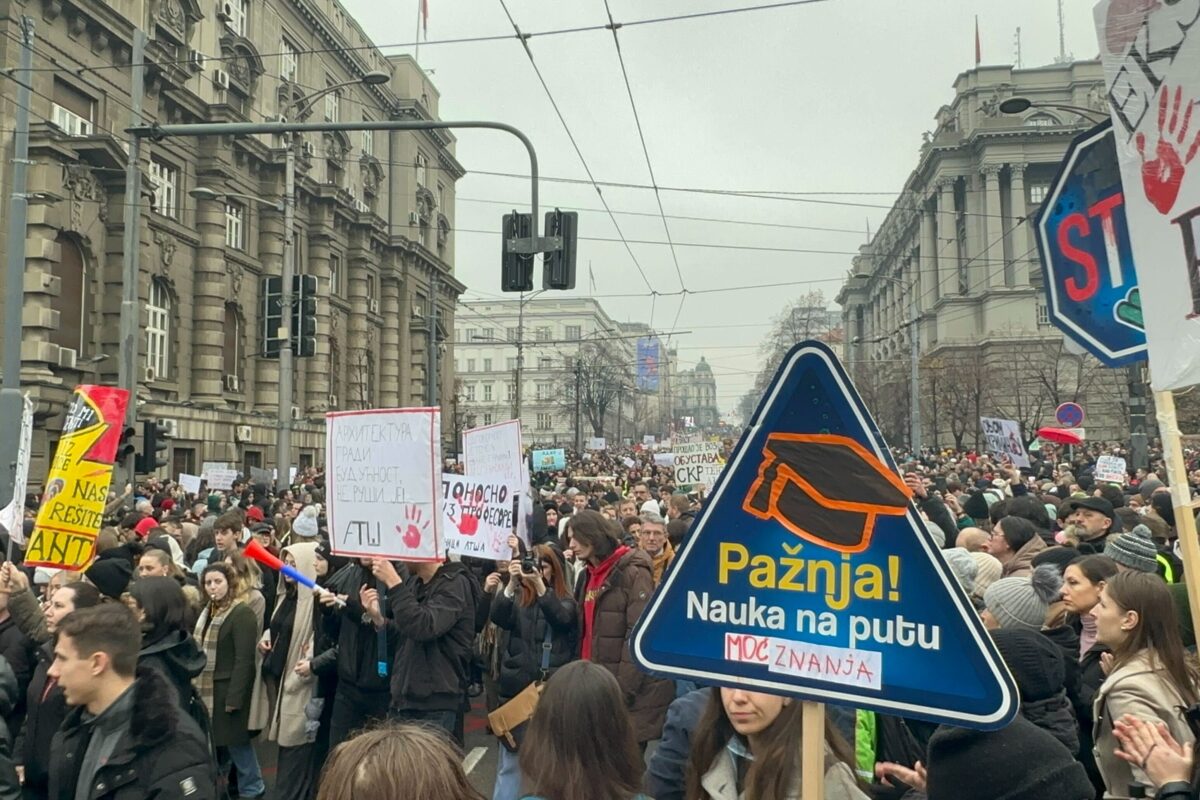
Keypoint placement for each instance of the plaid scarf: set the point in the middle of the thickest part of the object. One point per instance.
(207, 631)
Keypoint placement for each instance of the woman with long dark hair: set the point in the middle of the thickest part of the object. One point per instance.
(1149, 675)
(167, 641)
(581, 743)
(538, 611)
(747, 747)
(227, 630)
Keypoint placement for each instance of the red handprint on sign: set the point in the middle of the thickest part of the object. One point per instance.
(1162, 177)
(413, 527)
(468, 519)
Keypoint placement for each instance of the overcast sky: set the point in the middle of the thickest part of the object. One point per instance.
(827, 100)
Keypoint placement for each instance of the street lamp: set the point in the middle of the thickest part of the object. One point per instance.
(1019, 105)
(914, 383)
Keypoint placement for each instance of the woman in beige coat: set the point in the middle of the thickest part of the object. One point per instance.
(1148, 675)
(286, 643)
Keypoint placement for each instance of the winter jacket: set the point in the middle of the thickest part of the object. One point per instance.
(435, 622)
(160, 755)
(1091, 676)
(10, 787)
(677, 528)
(179, 659)
(1143, 689)
(45, 711)
(521, 661)
(618, 605)
(20, 653)
(720, 782)
(233, 676)
(666, 774)
(26, 612)
(293, 691)
(1021, 564)
(357, 648)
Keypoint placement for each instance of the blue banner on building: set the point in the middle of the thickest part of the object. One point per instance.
(647, 365)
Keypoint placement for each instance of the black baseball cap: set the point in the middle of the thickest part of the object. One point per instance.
(1095, 504)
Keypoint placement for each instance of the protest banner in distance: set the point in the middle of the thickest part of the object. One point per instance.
(72, 510)
(190, 483)
(809, 572)
(478, 516)
(596, 443)
(1004, 439)
(258, 475)
(664, 459)
(497, 451)
(384, 475)
(12, 516)
(1111, 469)
(549, 459)
(698, 462)
(648, 440)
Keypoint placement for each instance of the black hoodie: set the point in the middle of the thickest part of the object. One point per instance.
(436, 626)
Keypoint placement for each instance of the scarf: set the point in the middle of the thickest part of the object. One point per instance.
(1087, 636)
(661, 561)
(208, 628)
(595, 582)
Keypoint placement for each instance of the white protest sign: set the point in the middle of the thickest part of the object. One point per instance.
(190, 483)
(384, 470)
(209, 466)
(13, 515)
(648, 440)
(1151, 57)
(699, 462)
(478, 515)
(628, 462)
(1004, 439)
(596, 443)
(1111, 469)
(221, 478)
(664, 459)
(496, 450)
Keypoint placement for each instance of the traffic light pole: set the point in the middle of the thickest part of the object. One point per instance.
(283, 431)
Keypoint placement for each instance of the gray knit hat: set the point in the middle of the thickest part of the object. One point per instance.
(1134, 549)
(1023, 602)
(963, 566)
(305, 523)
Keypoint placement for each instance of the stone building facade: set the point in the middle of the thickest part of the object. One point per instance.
(961, 236)
(696, 399)
(374, 219)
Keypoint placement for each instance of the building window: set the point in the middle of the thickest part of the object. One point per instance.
(332, 102)
(335, 275)
(75, 298)
(234, 354)
(543, 334)
(489, 333)
(158, 330)
(1043, 316)
(487, 365)
(469, 334)
(544, 422)
(370, 288)
(289, 60)
(510, 392)
(441, 197)
(237, 13)
(235, 226)
(511, 364)
(543, 391)
(1038, 192)
(422, 171)
(72, 111)
(544, 364)
(487, 419)
(487, 393)
(511, 333)
(470, 365)
(573, 332)
(368, 139)
(166, 188)
(469, 391)
(1041, 121)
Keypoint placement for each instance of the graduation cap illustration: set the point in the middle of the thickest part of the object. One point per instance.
(825, 488)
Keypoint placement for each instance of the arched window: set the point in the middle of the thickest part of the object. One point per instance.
(74, 303)
(158, 331)
(234, 351)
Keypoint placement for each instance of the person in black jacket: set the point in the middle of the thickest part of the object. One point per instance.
(126, 738)
(434, 614)
(541, 616)
(10, 786)
(46, 708)
(167, 641)
(20, 653)
(363, 691)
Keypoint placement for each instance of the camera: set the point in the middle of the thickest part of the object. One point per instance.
(529, 565)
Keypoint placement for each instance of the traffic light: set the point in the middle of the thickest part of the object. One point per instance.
(516, 274)
(304, 316)
(156, 436)
(558, 271)
(126, 446)
(272, 315)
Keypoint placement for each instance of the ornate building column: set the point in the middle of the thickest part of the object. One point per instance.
(925, 267)
(320, 369)
(947, 234)
(389, 355)
(210, 288)
(1021, 234)
(991, 255)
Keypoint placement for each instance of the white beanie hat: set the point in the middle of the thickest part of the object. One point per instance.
(305, 523)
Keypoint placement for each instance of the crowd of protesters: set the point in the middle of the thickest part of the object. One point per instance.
(157, 670)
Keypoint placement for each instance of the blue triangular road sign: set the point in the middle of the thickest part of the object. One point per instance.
(810, 573)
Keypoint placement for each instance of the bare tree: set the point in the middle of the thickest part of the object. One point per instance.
(962, 383)
(599, 376)
(363, 372)
(806, 318)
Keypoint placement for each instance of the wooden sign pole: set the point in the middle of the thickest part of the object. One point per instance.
(1181, 497)
(812, 751)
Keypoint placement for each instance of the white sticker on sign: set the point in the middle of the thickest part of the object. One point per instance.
(818, 662)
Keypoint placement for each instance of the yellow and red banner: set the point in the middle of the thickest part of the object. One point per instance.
(72, 510)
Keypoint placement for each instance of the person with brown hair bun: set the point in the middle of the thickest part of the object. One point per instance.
(394, 761)
(581, 743)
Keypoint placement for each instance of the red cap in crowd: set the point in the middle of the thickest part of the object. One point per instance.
(254, 514)
(144, 525)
